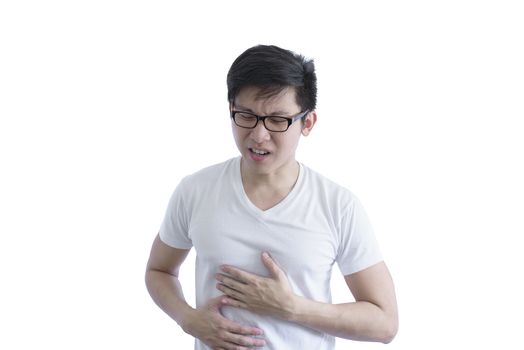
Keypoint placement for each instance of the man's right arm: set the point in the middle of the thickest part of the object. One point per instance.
(206, 322)
(162, 280)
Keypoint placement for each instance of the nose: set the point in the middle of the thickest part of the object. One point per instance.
(260, 134)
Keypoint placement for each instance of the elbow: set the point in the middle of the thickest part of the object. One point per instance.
(388, 337)
(390, 331)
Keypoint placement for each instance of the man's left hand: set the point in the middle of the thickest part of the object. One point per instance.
(263, 295)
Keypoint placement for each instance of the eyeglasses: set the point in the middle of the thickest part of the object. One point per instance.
(274, 123)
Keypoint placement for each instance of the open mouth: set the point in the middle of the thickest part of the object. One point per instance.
(258, 152)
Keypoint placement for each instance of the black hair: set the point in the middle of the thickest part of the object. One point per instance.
(273, 69)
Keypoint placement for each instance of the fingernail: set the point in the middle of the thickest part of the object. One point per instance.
(265, 255)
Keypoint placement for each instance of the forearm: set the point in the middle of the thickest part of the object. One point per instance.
(166, 291)
(360, 320)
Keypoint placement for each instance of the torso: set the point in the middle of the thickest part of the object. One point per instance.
(303, 228)
(263, 200)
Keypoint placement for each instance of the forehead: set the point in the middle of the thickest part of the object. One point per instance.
(258, 100)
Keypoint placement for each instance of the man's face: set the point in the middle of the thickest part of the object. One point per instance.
(263, 151)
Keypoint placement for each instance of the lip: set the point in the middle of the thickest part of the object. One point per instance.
(257, 157)
(258, 149)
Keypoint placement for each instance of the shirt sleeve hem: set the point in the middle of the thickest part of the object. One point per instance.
(357, 268)
(173, 243)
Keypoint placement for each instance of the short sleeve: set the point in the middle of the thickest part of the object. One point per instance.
(358, 248)
(174, 228)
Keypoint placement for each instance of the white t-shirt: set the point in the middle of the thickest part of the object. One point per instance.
(317, 224)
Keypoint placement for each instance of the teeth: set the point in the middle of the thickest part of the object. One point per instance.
(259, 151)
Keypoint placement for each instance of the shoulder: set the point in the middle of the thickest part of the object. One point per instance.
(197, 188)
(328, 189)
(208, 181)
(210, 174)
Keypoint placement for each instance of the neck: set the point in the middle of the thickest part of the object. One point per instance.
(282, 179)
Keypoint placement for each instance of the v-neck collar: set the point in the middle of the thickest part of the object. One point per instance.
(244, 197)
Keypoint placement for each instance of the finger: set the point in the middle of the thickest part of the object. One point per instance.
(237, 336)
(230, 292)
(271, 265)
(243, 340)
(234, 303)
(230, 282)
(216, 303)
(237, 328)
(237, 274)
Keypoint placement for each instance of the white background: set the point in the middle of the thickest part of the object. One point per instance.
(105, 105)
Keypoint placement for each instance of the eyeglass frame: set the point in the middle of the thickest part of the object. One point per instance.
(290, 120)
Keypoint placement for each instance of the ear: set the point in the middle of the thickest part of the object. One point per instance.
(309, 123)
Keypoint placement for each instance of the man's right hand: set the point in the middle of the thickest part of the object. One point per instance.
(207, 324)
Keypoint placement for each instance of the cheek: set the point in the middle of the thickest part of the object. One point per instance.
(234, 131)
(289, 143)
(238, 135)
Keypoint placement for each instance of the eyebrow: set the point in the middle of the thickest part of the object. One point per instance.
(251, 111)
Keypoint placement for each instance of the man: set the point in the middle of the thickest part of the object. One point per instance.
(267, 230)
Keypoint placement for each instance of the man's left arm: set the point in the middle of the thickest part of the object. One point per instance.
(372, 316)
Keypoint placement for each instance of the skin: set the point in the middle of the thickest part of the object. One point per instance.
(372, 317)
(205, 322)
(266, 181)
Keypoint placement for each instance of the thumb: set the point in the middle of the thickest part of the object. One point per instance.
(272, 266)
(215, 304)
